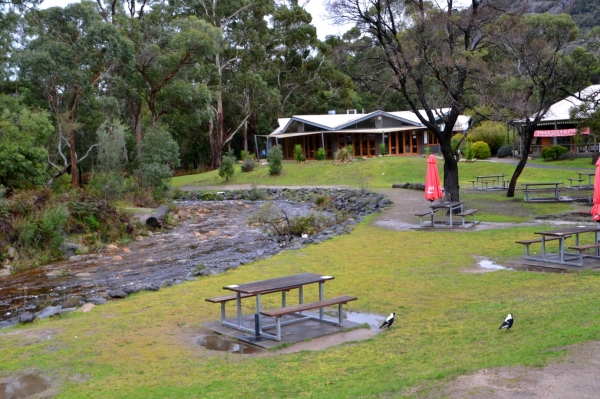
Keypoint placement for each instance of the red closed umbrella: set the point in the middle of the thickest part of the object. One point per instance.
(433, 188)
(596, 207)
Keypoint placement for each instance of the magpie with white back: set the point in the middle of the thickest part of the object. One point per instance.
(388, 321)
(508, 322)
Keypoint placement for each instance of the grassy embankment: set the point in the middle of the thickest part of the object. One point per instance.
(447, 320)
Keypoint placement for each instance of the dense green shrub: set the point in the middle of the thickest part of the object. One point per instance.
(299, 153)
(274, 157)
(160, 153)
(481, 150)
(37, 222)
(492, 133)
(248, 165)
(382, 149)
(320, 155)
(226, 168)
(243, 155)
(505, 151)
(554, 152)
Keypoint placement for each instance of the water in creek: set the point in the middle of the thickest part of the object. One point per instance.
(213, 235)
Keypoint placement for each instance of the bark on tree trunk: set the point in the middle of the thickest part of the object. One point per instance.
(522, 162)
(157, 219)
(216, 137)
(450, 171)
(73, 156)
(136, 118)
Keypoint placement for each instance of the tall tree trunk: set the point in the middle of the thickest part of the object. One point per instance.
(135, 113)
(450, 170)
(530, 128)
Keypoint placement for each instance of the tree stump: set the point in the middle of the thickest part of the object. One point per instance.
(158, 218)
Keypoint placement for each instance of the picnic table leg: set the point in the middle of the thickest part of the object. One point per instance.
(258, 309)
(239, 308)
(320, 299)
(283, 299)
(543, 247)
(561, 249)
(431, 217)
(340, 315)
(300, 297)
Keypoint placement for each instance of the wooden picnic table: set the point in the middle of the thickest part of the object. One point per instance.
(536, 187)
(447, 206)
(590, 176)
(483, 182)
(564, 257)
(282, 284)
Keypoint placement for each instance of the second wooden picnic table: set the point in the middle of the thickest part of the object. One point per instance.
(283, 285)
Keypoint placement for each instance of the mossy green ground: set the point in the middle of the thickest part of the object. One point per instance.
(447, 323)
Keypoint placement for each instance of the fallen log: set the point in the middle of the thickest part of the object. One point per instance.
(158, 218)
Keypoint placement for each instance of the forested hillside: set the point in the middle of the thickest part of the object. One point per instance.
(204, 77)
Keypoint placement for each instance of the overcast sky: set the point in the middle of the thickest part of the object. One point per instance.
(315, 7)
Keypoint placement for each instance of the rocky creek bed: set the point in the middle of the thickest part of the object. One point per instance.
(213, 235)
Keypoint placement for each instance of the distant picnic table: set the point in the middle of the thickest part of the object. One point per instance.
(552, 187)
(487, 182)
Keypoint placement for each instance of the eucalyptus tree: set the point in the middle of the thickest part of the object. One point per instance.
(303, 68)
(529, 70)
(241, 22)
(431, 51)
(70, 52)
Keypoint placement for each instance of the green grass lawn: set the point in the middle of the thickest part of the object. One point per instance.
(376, 173)
(447, 320)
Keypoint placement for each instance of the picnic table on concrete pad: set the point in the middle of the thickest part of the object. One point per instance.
(283, 284)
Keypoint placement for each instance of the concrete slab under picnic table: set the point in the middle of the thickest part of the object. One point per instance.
(539, 265)
(290, 334)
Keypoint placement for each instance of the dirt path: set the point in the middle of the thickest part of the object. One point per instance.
(574, 378)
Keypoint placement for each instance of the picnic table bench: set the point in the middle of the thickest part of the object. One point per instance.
(297, 309)
(551, 187)
(466, 213)
(428, 212)
(527, 243)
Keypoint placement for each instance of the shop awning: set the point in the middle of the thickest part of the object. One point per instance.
(559, 132)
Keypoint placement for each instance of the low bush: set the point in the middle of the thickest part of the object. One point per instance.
(492, 133)
(505, 151)
(344, 154)
(321, 154)
(226, 169)
(382, 149)
(37, 223)
(553, 153)
(248, 165)
(299, 153)
(274, 157)
(481, 150)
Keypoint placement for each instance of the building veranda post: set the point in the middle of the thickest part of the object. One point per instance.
(400, 131)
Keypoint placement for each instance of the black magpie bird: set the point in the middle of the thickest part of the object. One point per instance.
(508, 322)
(388, 321)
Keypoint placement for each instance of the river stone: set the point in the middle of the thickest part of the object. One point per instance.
(87, 307)
(71, 302)
(97, 300)
(132, 289)
(48, 312)
(118, 293)
(26, 318)
(64, 311)
(10, 322)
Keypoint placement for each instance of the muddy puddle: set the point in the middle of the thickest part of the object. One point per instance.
(211, 236)
(373, 320)
(22, 387)
(217, 343)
